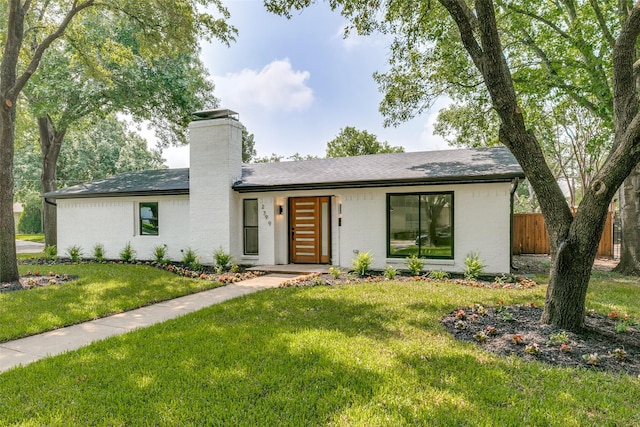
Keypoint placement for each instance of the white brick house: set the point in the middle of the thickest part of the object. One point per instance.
(441, 205)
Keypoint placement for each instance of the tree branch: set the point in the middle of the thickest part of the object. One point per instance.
(40, 49)
(466, 22)
(625, 101)
(603, 25)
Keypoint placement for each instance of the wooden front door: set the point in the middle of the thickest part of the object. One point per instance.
(309, 230)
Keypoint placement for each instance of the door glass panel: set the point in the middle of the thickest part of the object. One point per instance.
(325, 228)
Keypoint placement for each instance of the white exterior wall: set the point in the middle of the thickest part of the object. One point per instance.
(215, 164)
(481, 224)
(114, 221)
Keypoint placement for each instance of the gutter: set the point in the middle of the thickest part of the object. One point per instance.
(514, 187)
(241, 187)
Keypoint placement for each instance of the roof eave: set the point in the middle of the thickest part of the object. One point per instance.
(248, 188)
(96, 195)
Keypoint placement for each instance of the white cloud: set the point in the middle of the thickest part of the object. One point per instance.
(277, 87)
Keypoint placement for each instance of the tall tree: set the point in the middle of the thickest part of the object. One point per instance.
(94, 150)
(30, 27)
(101, 68)
(426, 62)
(248, 146)
(353, 142)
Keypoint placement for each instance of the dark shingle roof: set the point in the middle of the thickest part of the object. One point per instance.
(425, 167)
(377, 170)
(159, 182)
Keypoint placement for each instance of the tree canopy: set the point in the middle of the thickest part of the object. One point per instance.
(353, 142)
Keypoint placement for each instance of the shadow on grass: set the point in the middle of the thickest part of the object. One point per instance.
(357, 355)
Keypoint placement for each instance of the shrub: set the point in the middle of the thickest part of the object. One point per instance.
(128, 254)
(438, 274)
(473, 266)
(334, 272)
(414, 264)
(30, 221)
(50, 252)
(75, 253)
(189, 256)
(390, 272)
(160, 254)
(98, 252)
(221, 258)
(362, 262)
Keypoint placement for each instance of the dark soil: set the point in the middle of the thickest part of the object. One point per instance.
(518, 331)
(36, 280)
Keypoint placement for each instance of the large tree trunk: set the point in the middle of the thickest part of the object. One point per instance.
(50, 143)
(572, 261)
(8, 261)
(630, 218)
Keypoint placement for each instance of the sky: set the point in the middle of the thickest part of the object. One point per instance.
(296, 83)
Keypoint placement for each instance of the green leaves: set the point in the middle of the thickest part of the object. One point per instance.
(353, 142)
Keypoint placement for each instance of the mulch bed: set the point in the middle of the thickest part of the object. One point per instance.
(518, 331)
(36, 280)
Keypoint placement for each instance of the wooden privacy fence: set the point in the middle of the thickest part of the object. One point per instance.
(530, 235)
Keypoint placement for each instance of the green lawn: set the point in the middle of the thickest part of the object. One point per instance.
(101, 289)
(31, 237)
(369, 354)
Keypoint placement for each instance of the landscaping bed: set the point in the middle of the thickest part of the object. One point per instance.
(36, 278)
(609, 343)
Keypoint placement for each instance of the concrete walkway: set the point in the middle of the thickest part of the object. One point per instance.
(36, 347)
(25, 247)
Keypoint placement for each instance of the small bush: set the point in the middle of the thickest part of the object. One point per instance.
(473, 266)
(160, 254)
(189, 256)
(362, 262)
(390, 272)
(438, 275)
(221, 258)
(128, 254)
(50, 252)
(334, 272)
(98, 252)
(414, 264)
(75, 253)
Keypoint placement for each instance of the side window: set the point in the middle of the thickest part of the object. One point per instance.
(420, 224)
(149, 219)
(250, 226)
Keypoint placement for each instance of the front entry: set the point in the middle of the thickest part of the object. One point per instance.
(309, 230)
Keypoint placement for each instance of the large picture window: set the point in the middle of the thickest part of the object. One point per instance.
(149, 219)
(420, 224)
(250, 226)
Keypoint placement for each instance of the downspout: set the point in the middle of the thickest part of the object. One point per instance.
(49, 203)
(514, 187)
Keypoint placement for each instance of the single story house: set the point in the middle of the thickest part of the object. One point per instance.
(439, 205)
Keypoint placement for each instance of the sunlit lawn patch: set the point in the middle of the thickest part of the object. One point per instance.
(363, 354)
(100, 289)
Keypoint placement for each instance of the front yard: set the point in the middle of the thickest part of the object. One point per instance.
(361, 354)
